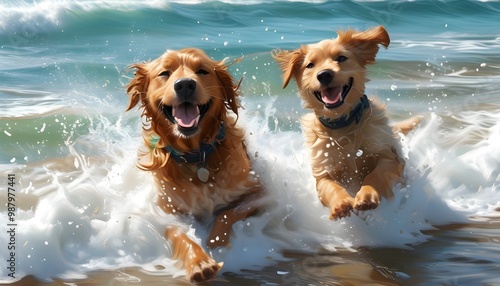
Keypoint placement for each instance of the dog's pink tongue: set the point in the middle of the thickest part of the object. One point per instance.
(186, 115)
(331, 95)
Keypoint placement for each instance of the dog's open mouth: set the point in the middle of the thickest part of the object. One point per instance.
(333, 97)
(186, 115)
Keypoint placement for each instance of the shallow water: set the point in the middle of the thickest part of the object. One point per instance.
(86, 215)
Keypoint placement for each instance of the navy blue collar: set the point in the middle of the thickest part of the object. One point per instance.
(199, 155)
(344, 121)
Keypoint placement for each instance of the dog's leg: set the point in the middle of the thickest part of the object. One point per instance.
(221, 230)
(378, 183)
(406, 126)
(199, 265)
(335, 197)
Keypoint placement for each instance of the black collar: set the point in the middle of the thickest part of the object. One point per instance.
(345, 121)
(199, 155)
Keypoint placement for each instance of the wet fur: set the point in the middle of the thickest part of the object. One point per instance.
(357, 165)
(228, 195)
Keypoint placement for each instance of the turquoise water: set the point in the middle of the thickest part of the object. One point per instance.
(83, 207)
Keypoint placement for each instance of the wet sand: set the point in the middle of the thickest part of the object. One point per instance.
(445, 259)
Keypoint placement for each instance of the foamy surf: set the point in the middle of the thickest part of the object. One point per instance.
(85, 213)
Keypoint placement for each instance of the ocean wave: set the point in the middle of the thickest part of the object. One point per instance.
(28, 16)
(20, 16)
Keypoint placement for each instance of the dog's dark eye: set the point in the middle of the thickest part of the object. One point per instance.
(165, 73)
(341, 59)
(201, 71)
(310, 66)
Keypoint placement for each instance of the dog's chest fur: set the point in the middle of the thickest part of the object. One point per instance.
(186, 194)
(347, 155)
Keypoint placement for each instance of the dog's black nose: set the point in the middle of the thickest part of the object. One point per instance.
(184, 88)
(325, 77)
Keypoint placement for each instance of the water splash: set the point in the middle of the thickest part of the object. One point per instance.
(90, 208)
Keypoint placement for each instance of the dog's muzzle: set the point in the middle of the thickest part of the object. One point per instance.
(187, 114)
(332, 97)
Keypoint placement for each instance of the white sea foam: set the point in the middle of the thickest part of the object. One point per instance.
(86, 213)
(29, 18)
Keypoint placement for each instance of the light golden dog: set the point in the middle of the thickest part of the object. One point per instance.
(194, 149)
(354, 151)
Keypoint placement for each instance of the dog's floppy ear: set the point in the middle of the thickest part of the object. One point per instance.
(230, 92)
(365, 42)
(137, 87)
(289, 62)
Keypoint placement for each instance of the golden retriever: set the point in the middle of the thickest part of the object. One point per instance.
(194, 149)
(354, 151)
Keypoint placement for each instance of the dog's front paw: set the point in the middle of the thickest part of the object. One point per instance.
(367, 198)
(202, 269)
(341, 208)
